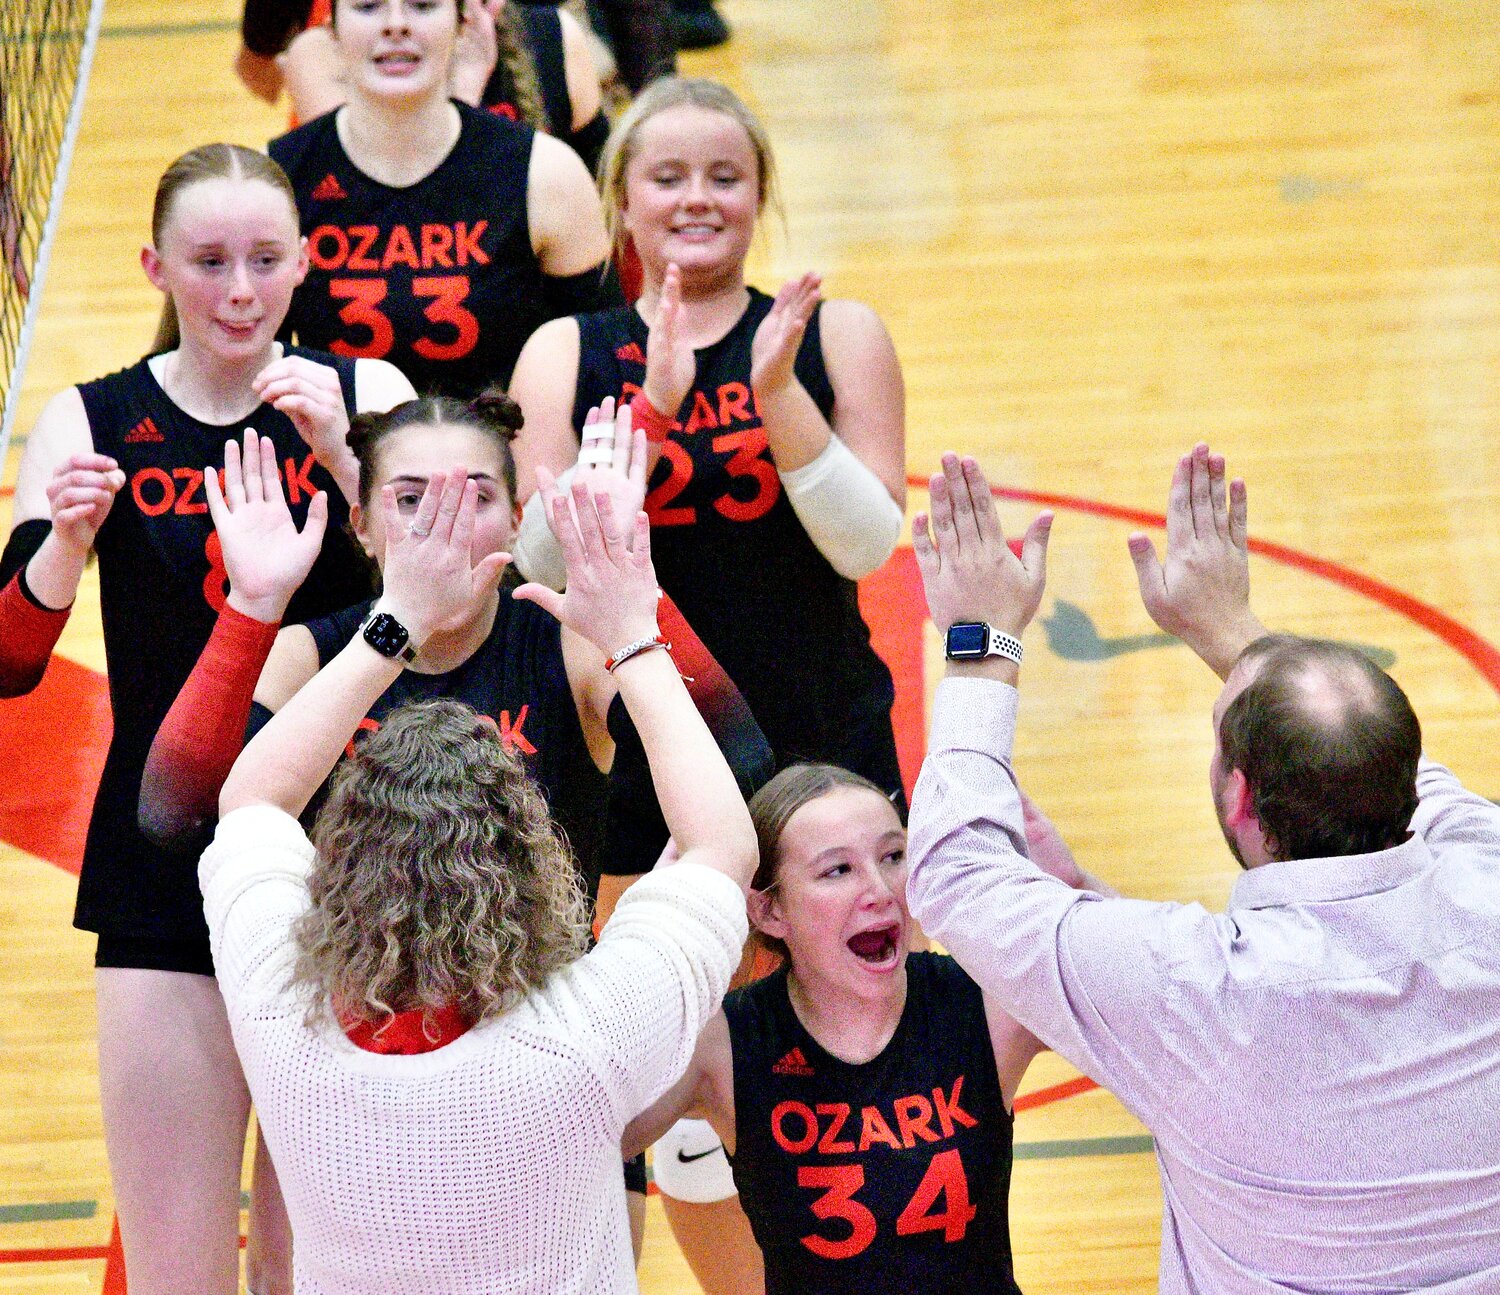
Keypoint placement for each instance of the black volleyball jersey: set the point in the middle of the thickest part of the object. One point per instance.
(438, 277)
(517, 678)
(730, 551)
(161, 585)
(890, 1176)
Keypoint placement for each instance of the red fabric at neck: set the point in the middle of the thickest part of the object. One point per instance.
(403, 1033)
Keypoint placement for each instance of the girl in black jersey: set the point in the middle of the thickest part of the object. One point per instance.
(780, 424)
(439, 236)
(117, 467)
(863, 1094)
(526, 62)
(546, 690)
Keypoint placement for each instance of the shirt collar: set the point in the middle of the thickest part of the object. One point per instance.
(1312, 881)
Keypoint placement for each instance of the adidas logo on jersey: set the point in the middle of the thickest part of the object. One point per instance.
(143, 432)
(329, 189)
(794, 1063)
(631, 352)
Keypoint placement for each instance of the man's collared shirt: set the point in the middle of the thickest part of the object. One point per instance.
(1320, 1065)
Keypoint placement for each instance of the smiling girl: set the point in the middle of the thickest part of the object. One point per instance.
(439, 235)
(116, 467)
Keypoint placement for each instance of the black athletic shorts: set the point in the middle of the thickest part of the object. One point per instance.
(147, 954)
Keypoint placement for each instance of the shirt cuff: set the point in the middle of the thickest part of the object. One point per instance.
(974, 715)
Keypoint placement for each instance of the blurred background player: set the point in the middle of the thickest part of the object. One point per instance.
(439, 236)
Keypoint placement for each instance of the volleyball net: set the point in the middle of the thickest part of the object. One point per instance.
(45, 50)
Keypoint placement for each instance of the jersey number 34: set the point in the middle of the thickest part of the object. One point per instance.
(944, 1178)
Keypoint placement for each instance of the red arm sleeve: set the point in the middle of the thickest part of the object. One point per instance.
(28, 633)
(204, 732)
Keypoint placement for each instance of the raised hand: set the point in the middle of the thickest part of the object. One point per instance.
(612, 594)
(968, 570)
(773, 353)
(81, 493)
(613, 458)
(266, 556)
(430, 579)
(1202, 592)
(671, 365)
(310, 395)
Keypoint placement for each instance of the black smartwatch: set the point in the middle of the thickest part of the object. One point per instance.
(388, 636)
(974, 641)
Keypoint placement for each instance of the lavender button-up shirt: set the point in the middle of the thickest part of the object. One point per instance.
(1320, 1065)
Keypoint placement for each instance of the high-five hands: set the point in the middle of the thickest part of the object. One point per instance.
(1202, 592)
(430, 578)
(612, 459)
(968, 569)
(266, 556)
(612, 594)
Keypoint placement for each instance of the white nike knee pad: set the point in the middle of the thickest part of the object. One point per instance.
(689, 1164)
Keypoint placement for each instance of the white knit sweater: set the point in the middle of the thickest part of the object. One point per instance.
(492, 1164)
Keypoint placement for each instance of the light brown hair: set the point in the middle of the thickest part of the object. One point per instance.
(661, 95)
(771, 809)
(206, 162)
(440, 880)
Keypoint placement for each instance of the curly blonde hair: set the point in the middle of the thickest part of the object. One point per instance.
(440, 879)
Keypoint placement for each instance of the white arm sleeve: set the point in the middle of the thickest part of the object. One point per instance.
(845, 510)
(536, 551)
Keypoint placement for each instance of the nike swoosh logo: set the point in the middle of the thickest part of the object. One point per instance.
(687, 1160)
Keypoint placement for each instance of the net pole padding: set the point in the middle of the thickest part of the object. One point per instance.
(38, 274)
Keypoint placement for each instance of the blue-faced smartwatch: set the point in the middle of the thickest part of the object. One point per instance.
(974, 641)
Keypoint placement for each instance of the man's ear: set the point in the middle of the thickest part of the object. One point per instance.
(765, 915)
(1239, 804)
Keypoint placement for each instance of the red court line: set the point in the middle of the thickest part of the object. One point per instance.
(56, 1255)
(1478, 651)
(1057, 1093)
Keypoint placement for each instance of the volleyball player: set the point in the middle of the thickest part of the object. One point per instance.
(863, 1094)
(529, 63)
(117, 467)
(548, 693)
(439, 907)
(780, 424)
(438, 235)
(781, 481)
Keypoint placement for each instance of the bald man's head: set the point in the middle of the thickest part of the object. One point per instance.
(1328, 744)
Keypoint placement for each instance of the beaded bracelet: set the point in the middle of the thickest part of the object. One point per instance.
(635, 649)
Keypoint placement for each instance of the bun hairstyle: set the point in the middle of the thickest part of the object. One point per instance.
(492, 412)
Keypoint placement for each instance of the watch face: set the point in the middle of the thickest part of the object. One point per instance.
(386, 634)
(968, 639)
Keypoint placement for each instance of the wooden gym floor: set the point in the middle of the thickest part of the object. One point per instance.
(1099, 233)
